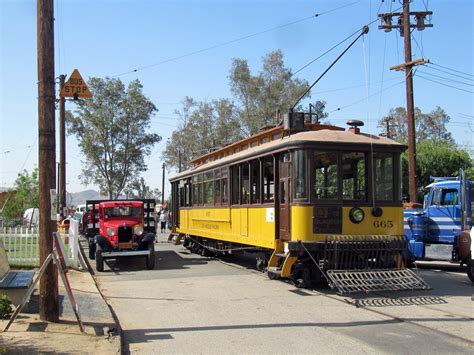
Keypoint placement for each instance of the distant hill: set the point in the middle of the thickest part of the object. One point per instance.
(79, 198)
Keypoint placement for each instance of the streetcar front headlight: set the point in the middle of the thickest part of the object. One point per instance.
(110, 232)
(138, 229)
(356, 215)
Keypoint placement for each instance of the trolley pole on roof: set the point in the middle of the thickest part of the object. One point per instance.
(48, 302)
(405, 27)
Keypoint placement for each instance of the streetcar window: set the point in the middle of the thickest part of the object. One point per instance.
(225, 193)
(255, 165)
(235, 185)
(195, 191)
(245, 183)
(383, 171)
(200, 189)
(299, 166)
(217, 187)
(208, 187)
(325, 175)
(268, 180)
(188, 193)
(354, 176)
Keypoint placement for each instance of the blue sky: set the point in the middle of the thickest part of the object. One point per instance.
(108, 38)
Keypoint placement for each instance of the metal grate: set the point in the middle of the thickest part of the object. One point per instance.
(352, 281)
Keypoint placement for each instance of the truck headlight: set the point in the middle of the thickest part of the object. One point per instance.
(110, 232)
(138, 229)
(356, 215)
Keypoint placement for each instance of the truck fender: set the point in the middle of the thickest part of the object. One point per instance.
(101, 240)
(464, 245)
(148, 237)
(472, 244)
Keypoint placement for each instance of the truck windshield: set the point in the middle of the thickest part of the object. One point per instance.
(122, 211)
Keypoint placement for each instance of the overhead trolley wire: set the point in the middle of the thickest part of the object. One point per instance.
(216, 46)
(234, 40)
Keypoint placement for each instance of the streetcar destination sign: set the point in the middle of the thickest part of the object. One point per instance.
(75, 87)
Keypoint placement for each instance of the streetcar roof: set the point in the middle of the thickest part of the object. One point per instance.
(328, 137)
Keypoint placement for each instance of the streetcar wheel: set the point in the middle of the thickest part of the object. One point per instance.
(195, 247)
(150, 258)
(262, 263)
(99, 260)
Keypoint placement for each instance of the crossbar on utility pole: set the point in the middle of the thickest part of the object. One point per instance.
(48, 301)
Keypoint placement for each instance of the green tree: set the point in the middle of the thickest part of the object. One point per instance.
(435, 158)
(113, 133)
(138, 188)
(24, 195)
(260, 96)
(203, 126)
(427, 125)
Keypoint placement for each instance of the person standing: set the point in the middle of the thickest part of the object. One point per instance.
(163, 221)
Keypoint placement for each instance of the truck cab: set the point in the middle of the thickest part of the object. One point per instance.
(121, 228)
(433, 231)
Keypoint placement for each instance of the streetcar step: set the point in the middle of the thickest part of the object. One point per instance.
(352, 281)
(274, 273)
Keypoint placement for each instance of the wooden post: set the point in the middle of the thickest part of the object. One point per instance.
(49, 304)
(62, 150)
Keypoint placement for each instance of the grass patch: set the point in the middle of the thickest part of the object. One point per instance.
(24, 266)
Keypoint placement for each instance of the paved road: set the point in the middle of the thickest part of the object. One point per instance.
(193, 304)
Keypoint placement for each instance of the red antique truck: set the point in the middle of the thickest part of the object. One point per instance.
(119, 228)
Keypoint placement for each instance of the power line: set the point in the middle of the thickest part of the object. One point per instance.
(235, 40)
(354, 86)
(454, 70)
(447, 72)
(440, 83)
(444, 78)
(336, 45)
(365, 97)
(216, 46)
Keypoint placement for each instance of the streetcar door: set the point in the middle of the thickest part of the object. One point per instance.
(284, 197)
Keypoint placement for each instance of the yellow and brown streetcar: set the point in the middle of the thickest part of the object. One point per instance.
(324, 203)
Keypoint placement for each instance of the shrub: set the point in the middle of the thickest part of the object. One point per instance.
(5, 307)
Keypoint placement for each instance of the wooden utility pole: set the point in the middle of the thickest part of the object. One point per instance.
(62, 149)
(163, 187)
(410, 102)
(405, 27)
(48, 302)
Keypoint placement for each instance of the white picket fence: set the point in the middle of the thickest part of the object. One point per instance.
(22, 244)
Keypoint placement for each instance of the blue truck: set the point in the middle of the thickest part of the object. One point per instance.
(441, 229)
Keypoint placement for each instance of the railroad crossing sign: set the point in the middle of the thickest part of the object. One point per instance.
(75, 87)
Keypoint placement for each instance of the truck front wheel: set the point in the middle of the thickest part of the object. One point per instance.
(91, 249)
(150, 258)
(470, 269)
(99, 260)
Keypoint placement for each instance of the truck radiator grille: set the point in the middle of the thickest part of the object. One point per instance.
(125, 234)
